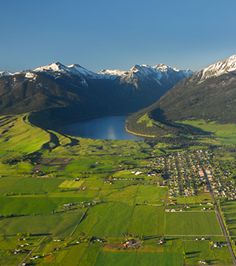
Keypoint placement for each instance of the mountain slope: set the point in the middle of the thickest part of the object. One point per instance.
(77, 91)
(26, 92)
(209, 94)
(220, 68)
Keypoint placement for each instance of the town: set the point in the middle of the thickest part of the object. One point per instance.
(189, 173)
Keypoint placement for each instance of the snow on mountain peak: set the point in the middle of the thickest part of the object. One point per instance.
(145, 71)
(30, 75)
(5, 73)
(219, 68)
(55, 67)
(136, 68)
(142, 69)
(158, 73)
(76, 68)
(161, 70)
(111, 73)
(164, 68)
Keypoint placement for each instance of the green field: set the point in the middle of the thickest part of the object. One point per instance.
(224, 133)
(73, 201)
(58, 225)
(146, 221)
(71, 184)
(229, 212)
(27, 185)
(108, 219)
(192, 223)
(138, 258)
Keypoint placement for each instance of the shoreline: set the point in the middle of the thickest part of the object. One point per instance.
(138, 134)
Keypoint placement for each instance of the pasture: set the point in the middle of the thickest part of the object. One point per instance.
(75, 202)
(58, 225)
(192, 223)
(71, 184)
(225, 133)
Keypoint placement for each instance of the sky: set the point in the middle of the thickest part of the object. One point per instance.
(99, 34)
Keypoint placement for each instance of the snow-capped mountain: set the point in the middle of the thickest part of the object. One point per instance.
(5, 73)
(59, 68)
(112, 73)
(57, 85)
(164, 69)
(158, 73)
(219, 68)
(209, 94)
(76, 68)
(146, 70)
(54, 67)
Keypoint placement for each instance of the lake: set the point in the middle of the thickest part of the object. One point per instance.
(109, 127)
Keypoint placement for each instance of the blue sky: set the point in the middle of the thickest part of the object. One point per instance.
(116, 33)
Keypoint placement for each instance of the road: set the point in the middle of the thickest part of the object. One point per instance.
(221, 221)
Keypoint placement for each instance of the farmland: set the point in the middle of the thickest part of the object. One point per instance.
(71, 201)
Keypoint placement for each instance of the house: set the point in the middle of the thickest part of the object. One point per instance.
(131, 243)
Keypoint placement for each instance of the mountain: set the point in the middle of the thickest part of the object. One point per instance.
(161, 74)
(58, 69)
(76, 91)
(220, 68)
(208, 94)
(5, 73)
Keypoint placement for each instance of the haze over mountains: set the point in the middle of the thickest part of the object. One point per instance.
(77, 90)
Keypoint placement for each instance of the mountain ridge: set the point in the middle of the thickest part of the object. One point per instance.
(219, 68)
(58, 67)
(82, 91)
(209, 94)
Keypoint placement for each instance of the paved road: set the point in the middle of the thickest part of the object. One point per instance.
(221, 222)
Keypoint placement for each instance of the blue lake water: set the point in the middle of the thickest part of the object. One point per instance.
(109, 127)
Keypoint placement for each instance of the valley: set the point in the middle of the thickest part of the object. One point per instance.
(67, 200)
(118, 133)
